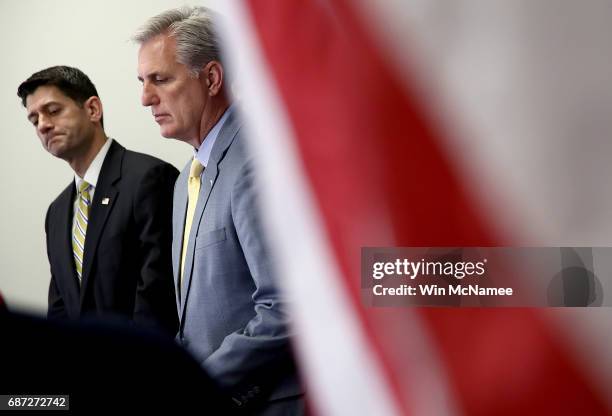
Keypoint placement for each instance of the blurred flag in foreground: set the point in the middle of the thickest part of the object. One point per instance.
(431, 123)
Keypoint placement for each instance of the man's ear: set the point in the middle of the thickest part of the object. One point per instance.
(93, 106)
(213, 74)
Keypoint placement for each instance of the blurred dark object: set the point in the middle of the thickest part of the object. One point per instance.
(575, 285)
(103, 367)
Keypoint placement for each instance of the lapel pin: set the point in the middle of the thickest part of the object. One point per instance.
(105, 201)
(211, 182)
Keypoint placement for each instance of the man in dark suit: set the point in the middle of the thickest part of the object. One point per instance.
(233, 318)
(109, 231)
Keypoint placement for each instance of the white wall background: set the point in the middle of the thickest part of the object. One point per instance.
(93, 36)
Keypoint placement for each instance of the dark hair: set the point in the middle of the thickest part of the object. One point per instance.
(72, 82)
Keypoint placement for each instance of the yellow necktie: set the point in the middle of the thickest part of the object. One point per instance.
(80, 226)
(193, 188)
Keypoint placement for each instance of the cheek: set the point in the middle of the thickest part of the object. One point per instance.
(72, 129)
(181, 112)
(76, 130)
(193, 108)
(185, 105)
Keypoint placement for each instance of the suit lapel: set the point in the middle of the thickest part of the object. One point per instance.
(210, 174)
(178, 226)
(98, 212)
(64, 244)
(226, 137)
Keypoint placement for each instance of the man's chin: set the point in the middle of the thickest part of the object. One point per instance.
(56, 150)
(167, 133)
(59, 153)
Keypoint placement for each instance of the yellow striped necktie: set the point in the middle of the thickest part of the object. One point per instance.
(80, 226)
(193, 189)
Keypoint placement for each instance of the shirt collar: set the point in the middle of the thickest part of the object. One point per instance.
(93, 171)
(203, 153)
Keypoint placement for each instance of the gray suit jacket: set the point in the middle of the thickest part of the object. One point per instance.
(232, 317)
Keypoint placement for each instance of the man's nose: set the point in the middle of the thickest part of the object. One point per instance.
(149, 97)
(44, 124)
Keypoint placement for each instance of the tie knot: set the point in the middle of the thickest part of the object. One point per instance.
(83, 187)
(196, 168)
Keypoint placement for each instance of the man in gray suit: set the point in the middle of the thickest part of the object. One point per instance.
(232, 317)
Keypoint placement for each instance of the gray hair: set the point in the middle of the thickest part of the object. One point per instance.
(194, 29)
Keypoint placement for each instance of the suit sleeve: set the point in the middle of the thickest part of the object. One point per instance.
(155, 303)
(258, 354)
(56, 308)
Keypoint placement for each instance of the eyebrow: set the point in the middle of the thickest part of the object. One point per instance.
(151, 75)
(44, 106)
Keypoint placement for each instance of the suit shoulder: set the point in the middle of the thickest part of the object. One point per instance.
(63, 196)
(239, 151)
(136, 162)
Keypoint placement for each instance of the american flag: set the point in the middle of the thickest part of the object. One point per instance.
(431, 123)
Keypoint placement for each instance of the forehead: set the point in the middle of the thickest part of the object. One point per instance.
(45, 94)
(157, 54)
